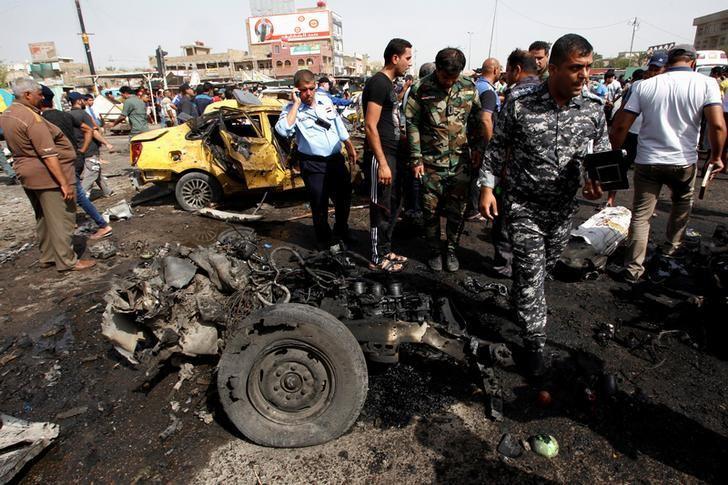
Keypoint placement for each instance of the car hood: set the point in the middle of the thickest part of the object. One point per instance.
(150, 135)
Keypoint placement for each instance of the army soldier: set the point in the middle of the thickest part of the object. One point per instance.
(442, 110)
(546, 132)
(320, 132)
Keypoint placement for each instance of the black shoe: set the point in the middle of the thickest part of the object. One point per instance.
(435, 262)
(14, 181)
(451, 262)
(626, 277)
(346, 238)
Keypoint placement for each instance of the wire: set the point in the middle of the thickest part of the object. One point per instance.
(562, 27)
(663, 30)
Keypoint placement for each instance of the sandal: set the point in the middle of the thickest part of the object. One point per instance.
(387, 266)
(396, 258)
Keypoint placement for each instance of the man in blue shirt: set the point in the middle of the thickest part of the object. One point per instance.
(204, 97)
(491, 104)
(324, 87)
(312, 118)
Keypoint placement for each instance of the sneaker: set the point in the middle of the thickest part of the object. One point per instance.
(626, 277)
(435, 262)
(451, 262)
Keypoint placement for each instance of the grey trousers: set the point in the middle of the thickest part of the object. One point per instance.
(92, 174)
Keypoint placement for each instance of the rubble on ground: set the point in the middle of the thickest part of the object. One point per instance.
(20, 442)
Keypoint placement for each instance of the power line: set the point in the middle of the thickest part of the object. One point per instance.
(665, 31)
(563, 27)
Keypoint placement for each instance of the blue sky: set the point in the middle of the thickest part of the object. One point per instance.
(127, 31)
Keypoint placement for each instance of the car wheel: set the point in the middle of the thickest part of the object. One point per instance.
(292, 375)
(196, 190)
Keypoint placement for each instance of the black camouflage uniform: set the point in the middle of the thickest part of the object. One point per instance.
(546, 145)
(503, 251)
(439, 125)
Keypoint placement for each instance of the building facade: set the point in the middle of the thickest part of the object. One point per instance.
(233, 65)
(711, 31)
(311, 38)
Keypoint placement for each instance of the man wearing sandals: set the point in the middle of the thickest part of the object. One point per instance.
(382, 165)
(442, 110)
(44, 160)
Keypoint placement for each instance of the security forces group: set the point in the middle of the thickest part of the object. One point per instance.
(535, 158)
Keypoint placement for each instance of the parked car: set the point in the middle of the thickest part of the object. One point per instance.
(227, 151)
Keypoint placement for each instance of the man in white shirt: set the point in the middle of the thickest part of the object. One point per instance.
(614, 91)
(671, 106)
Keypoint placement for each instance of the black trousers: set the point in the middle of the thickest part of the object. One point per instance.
(323, 177)
(503, 254)
(385, 202)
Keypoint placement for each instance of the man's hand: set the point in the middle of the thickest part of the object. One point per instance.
(295, 97)
(716, 166)
(384, 174)
(418, 171)
(69, 192)
(592, 190)
(488, 204)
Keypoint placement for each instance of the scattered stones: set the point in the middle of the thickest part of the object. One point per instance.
(103, 250)
(509, 446)
(544, 445)
(72, 412)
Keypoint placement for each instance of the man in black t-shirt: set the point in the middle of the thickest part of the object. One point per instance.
(92, 166)
(381, 164)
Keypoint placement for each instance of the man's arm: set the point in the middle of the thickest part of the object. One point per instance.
(489, 103)
(494, 159)
(412, 113)
(374, 112)
(87, 137)
(286, 124)
(620, 127)
(54, 167)
(716, 135)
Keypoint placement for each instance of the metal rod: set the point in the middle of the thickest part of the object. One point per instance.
(492, 29)
(86, 45)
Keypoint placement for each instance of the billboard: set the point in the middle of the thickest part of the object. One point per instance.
(289, 27)
(43, 51)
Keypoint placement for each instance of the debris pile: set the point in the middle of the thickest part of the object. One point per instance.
(594, 241)
(20, 442)
(180, 300)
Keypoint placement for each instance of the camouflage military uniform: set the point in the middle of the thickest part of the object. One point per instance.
(547, 144)
(438, 125)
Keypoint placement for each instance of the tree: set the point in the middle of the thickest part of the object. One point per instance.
(3, 75)
(620, 63)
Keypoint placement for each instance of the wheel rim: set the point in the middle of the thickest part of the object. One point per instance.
(291, 382)
(197, 193)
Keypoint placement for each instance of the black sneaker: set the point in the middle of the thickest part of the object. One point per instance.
(435, 262)
(451, 262)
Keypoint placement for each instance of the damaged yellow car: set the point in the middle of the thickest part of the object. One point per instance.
(228, 151)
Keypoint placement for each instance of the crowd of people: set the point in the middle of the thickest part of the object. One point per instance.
(505, 145)
(509, 147)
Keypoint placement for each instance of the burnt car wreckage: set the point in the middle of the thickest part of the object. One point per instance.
(292, 332)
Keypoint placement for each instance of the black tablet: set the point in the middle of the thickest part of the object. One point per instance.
(609, 169)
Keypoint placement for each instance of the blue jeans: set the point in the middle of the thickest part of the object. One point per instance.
(88, 206)
(7, 168)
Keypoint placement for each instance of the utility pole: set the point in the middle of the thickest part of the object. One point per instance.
(634, 23)
(470, 48)
(492, 28)
(86, 45)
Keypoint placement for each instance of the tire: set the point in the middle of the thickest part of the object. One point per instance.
(196, 190)
(292, 376)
